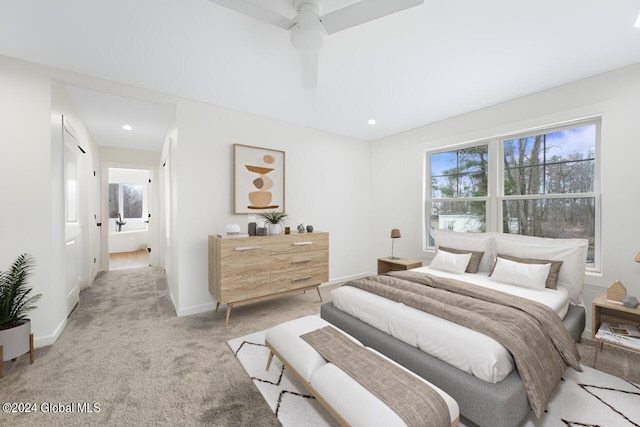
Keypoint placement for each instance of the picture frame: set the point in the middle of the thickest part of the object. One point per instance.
(258, 179)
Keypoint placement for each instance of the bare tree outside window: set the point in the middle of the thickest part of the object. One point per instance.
(545, 186)
(126, 200)
(549, 185)
(132, 200)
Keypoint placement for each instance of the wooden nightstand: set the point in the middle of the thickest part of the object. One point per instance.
(606, 311)
(387, 264)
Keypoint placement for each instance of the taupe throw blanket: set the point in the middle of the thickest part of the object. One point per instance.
(415, 402)
(540, 344)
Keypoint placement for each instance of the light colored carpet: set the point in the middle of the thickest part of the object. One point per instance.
(125, 349)
(588, 398)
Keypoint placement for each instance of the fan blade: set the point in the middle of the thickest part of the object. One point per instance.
(309, 60)
(364, 11)
(257, 12)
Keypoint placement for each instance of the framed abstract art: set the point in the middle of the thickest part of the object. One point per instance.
(258, 179)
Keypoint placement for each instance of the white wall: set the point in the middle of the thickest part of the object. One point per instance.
(397, 166)
(327, 184)
(25, 180)
(32, 216)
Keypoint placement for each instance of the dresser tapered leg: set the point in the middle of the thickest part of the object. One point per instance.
(228, 314)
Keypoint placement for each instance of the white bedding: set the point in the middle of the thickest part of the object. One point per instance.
(463, 348)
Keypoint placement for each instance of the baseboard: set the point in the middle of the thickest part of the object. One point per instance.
(196, 309)
(43, 341)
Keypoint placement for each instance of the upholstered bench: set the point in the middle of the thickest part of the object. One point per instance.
(346, 400)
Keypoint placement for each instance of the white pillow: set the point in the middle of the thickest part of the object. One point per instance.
(453, 263)
(532, 276)
(572, 252)
(479, 242)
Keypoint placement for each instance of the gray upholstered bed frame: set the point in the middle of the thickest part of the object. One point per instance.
(503, 404)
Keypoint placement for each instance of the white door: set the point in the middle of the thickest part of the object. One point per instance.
(73, 229)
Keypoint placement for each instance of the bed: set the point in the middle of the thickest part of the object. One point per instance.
(478, 372)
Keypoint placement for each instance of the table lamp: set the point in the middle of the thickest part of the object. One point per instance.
(395, 233)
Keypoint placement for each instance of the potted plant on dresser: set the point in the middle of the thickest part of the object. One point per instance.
(15, 302)
(275, 220)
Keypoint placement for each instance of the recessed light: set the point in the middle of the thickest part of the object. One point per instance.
(372, 121)
(127, 127)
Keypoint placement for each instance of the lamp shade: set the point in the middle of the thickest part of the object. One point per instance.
(636, 260)
(395, 233)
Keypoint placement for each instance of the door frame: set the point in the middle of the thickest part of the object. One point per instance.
(153, 210)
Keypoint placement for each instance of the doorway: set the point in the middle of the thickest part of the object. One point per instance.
(128, 223)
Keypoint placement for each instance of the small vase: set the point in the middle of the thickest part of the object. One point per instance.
(274, 229)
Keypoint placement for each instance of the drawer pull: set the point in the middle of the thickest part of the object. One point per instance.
(302, 279)
(300, 261)
(303, 243)
(247, 248)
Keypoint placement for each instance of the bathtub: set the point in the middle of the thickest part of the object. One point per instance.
(128, 241)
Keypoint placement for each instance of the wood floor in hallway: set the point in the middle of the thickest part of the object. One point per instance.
(127, 260)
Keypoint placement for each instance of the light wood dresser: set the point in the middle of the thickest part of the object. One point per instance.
(244, 270)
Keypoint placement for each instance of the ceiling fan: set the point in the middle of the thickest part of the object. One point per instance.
(309, 28)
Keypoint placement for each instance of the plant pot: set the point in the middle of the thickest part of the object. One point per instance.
(16, 341)
(274, 229)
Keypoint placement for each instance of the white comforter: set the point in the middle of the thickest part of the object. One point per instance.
(463, 348)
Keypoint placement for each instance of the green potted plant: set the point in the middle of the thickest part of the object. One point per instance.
(15, 303)
(274, 220)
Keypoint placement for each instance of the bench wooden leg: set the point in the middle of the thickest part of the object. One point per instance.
(319, 294)
(32, 354)
(269, 361)
(217, 305)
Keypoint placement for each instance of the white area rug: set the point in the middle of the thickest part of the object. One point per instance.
(587, 399)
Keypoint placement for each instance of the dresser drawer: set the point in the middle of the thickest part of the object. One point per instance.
(297, 279)
(300, 242)
(298, 270)
(246, 268)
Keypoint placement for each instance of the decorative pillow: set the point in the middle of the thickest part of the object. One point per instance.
(573, 253)
(453, 263)
(476, 256)
(481, 242)
(532, 276)
(554, 271)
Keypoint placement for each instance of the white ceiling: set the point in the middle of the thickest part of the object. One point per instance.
(437, 60)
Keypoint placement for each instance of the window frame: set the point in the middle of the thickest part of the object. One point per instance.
(495, 181)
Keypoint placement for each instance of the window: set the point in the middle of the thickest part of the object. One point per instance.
(127, 200)
(545, 185)
(459, 183)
